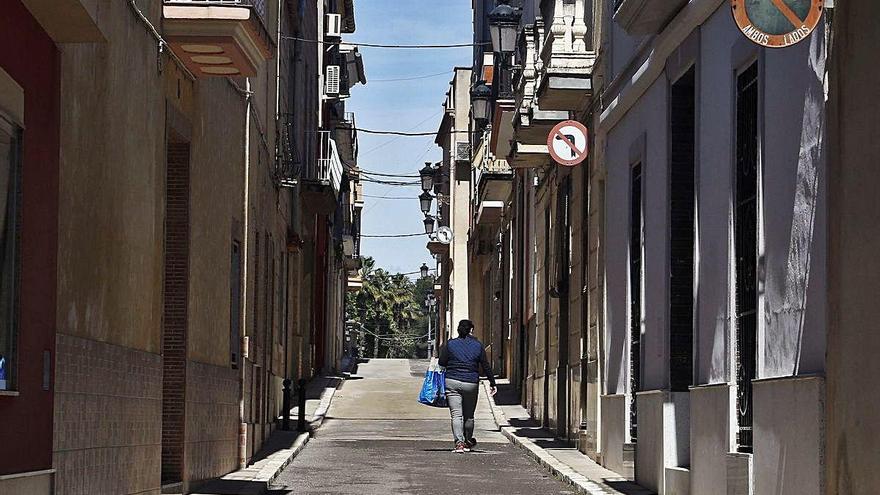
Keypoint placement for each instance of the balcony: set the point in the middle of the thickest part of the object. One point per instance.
(217, 38)
(322, 182)
(645, 17)
(494, 181)
(527, 147)
(67, 21)
(567, 56)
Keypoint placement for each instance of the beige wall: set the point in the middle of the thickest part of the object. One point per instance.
(111, 186)
(216, 208)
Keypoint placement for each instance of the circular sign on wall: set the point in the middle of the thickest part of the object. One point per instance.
(567, 143)
(777, 23)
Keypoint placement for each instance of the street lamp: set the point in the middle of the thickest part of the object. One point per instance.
(480, 96)
(429, 224)
(504, 26)
(427, 174)
(425, 200)
(424, 270)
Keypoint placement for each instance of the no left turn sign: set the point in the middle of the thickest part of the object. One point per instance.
(568, 144)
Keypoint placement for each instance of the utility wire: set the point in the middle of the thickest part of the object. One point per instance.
(394, 198)
(380, 174)
(381, 45)
(392, 236)
(413, 78)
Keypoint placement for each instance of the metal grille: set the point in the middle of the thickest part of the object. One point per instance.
(746, 250)
(462, 152)
(288, 162)
(682, 234)
(635, 298)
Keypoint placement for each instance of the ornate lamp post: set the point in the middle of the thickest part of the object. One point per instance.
(429, 224)
(424, 270)
(481, 94)
(427, 175)
(504, 27)
(425, 201)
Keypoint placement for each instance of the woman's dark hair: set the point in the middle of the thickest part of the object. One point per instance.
(465, 327)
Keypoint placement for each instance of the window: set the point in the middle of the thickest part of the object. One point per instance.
(682, 232)
(10, 192)
(635, 294)
(746, 249)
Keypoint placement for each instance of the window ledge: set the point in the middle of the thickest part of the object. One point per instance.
(8, 393)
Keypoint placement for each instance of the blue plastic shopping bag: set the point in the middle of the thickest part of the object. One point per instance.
(434, 388)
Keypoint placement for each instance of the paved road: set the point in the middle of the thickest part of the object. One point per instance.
(378, 440)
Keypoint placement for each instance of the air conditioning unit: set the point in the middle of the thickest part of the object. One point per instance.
(332, 80)
(334, 26)
(462, 152)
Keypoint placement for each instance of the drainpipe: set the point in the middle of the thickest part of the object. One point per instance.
(242, 429)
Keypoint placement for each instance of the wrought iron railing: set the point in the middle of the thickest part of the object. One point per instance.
(259, 6)
(288, 163)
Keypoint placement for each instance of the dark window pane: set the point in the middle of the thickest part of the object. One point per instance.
(10, 164)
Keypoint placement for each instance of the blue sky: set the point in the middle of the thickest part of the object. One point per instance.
(403, 106)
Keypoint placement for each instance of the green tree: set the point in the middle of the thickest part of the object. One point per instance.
(386, 311)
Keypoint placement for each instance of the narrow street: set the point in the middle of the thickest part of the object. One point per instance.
(378, 439)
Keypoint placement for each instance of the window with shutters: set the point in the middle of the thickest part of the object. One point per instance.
(746, 249)
(636, 242)
(682, 232)
(10, 199)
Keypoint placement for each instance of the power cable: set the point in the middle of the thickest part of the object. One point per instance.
(392, 236)
(381, 45)
(413, 78)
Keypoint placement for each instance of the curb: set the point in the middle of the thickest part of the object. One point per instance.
(560, 470)
(257, 481)
(273, 470)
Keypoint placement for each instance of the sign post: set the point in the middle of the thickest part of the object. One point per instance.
(777, 23)
(568, 143)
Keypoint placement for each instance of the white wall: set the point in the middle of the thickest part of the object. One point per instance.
(643, 127)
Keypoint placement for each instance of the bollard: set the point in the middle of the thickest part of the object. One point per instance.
(301, 424)
(285, 405)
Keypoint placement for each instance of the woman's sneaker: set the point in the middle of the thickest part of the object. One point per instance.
(472, 443)
(461, 448)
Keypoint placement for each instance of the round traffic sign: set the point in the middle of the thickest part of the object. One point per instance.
(568, 144)
(777, 23)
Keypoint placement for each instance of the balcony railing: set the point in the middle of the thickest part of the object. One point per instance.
(288, 163)
(259, 6)
(329, 165)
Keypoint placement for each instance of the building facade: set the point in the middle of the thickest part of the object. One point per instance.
(162, 276)
(715, 253)
(660, 304)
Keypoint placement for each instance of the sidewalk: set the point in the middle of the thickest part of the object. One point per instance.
(560, 458)
(280, 448)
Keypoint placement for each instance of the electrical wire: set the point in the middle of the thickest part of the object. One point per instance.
(410, 134)
(413, 78)
(391, 198)
(392, 140)
(380, 174)
(392, 236)
(381, 45)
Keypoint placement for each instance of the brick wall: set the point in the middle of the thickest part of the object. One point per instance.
(175, 320)
(212, 420)
(108, 428)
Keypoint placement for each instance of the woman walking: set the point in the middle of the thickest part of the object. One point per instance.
(463, 358)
